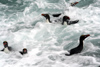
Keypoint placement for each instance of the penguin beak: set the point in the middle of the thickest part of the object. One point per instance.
(87, 35)
(43, 14)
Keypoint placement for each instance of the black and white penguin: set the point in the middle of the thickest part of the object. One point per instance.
(66, 21)
(47, 17)
(79, 48)
(6, 48)
(23, 52)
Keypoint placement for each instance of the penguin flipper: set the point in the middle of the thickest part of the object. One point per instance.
(2, 49)
(21, 52)
(10, 48)
(73, 22)
(67, 54)
(56, 15)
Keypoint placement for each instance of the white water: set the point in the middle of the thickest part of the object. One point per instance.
(47, 43)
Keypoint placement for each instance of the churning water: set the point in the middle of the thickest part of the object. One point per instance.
(22, 25)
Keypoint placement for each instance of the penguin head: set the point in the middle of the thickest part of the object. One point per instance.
(24, 50)
(72, 4)
(82, 37)
(66, 18)
(46, 16)
(5, 43)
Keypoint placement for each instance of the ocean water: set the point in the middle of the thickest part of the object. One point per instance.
(22, 25)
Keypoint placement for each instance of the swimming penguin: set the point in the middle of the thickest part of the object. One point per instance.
(79, 48)
(47, 17)
(23, 52)
(66, 21)
(73, 4)
(6, 48)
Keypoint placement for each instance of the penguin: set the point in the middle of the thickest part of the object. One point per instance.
(47, 17)
(79, 48)
(6, 48)
(73, 4)
(23, 52)
(66, 21)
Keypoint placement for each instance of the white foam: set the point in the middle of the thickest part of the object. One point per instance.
(48, 43)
